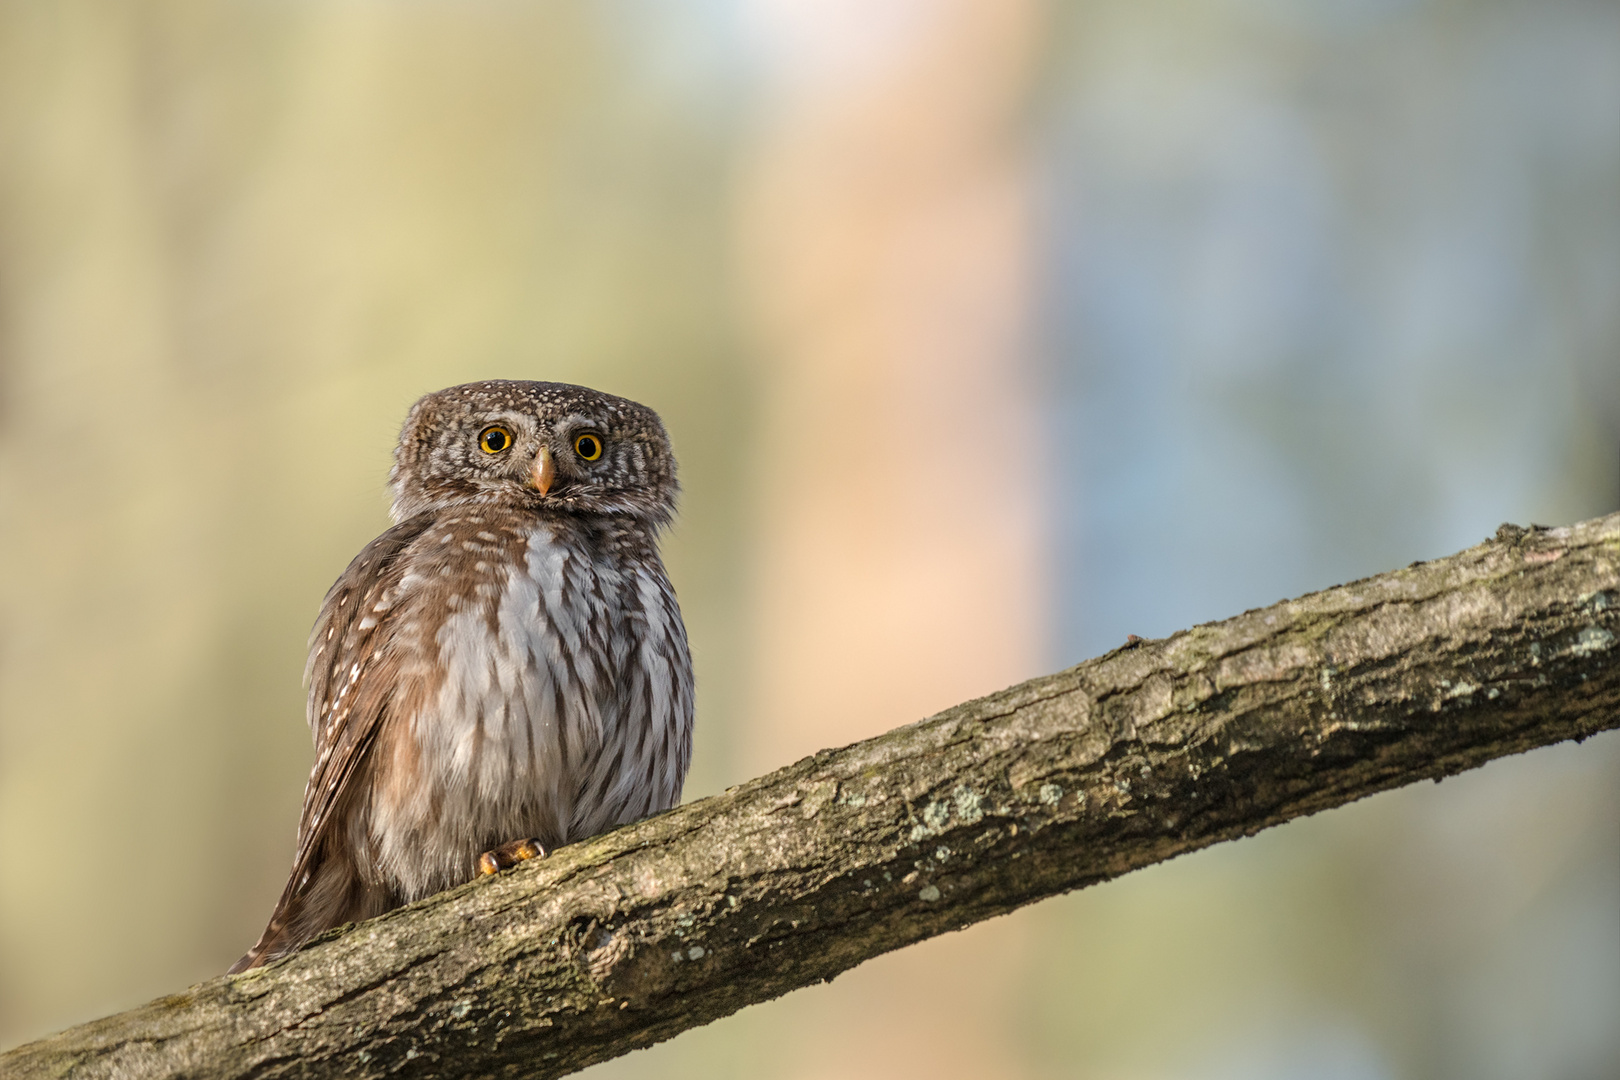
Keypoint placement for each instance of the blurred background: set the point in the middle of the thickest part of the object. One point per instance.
(987, 332)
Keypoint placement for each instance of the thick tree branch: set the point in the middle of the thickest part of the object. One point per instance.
(1155, 749)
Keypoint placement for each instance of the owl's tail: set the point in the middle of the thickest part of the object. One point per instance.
(314, 901)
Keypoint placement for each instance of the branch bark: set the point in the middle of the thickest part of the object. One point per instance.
(1155, 749)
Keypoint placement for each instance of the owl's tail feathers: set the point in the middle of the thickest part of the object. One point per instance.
(279, 933)
(315, 901)
(265, 950)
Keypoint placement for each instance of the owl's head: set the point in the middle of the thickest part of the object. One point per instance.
(534, 444)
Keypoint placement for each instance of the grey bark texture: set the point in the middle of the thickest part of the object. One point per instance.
(1157, 748)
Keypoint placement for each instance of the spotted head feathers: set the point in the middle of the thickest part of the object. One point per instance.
(538, 445)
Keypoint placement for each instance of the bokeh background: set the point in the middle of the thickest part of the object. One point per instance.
(987, 331)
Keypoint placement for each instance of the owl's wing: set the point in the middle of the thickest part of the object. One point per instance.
(350, 687)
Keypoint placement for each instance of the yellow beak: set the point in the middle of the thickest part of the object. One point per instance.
(544, 472)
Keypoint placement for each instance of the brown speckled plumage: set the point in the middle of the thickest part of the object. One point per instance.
(507, 661)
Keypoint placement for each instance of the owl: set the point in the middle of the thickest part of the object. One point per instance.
(502, 672)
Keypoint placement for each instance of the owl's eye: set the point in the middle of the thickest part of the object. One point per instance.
(588, 447)
(494, 439)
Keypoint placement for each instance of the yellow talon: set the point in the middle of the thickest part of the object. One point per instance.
(508, 855)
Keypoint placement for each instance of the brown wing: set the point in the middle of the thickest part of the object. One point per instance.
(349, 690)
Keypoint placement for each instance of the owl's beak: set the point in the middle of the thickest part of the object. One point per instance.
(544, 473)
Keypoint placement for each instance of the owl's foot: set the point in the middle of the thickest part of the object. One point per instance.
(509, 854)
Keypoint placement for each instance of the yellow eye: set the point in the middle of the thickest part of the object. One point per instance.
(588, 447)
(494, 439)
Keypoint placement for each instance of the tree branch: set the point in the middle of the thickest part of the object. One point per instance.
(1156, 749)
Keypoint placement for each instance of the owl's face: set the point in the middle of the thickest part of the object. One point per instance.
(534, 444)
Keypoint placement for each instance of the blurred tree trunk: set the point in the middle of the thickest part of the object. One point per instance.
(1155, 749)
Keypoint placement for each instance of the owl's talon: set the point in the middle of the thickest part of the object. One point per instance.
(509, 854)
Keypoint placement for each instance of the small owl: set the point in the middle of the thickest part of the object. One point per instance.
(502, 672)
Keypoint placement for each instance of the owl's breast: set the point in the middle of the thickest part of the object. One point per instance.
(544, 722)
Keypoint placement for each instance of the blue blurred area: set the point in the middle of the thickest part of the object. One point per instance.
(1331, 287)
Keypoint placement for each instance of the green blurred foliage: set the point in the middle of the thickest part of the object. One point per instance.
(236, 242)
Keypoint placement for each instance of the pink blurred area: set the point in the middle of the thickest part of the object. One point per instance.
(987, 331)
